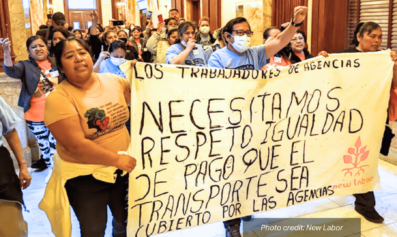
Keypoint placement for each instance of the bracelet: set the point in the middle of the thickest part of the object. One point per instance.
(296, 25)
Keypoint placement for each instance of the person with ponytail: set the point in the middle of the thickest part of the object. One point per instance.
(186, 51)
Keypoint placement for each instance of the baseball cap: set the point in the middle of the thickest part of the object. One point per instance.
(59, 18)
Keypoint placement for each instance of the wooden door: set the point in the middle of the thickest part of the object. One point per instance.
(81, 16)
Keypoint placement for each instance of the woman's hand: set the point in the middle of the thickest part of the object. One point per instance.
(393, 55)
(191, 44)
(24, 176)
(160, 28)
(133, 62)
(300, 14)
(94, 17)
(324, 54)
(126, 163)
(6, 45)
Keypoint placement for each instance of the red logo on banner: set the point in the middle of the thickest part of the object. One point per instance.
(357, 154)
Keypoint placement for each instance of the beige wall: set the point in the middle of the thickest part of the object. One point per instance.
(106, 11)
(18, 31)
(58, 6)
(228, 10)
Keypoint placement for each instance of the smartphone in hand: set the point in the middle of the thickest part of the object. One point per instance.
(160, 17)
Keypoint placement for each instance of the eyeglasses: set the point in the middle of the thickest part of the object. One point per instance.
(241, 32)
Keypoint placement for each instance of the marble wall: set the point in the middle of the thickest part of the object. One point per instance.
(17, 21)
(36, 15)
(258, 14)
(9, 91)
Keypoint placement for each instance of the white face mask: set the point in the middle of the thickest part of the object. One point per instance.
(241, 43)
(117, 61)
(183, 43)
(205, 29)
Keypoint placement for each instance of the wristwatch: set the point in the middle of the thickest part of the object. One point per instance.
(296, 25)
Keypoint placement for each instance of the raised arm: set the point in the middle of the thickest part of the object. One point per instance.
(14, 71)
(285, 37)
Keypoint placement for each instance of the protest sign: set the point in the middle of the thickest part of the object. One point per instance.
(217, 144)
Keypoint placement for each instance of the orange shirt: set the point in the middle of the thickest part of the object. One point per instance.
(37, 102)
(276, 61)
(102, 112)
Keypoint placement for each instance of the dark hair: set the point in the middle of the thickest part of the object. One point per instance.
(229, 26)
(364, 27)
(118, 44)
(303, 34)
(106, 34)
(266, 34)
(60, 47)
(122, 31)
(79, 32)
(173, 9)
(43, 27)
(166, 21)
(70, 28)
(64, 32)
(182, 28)
(170, 32)
(136, 28)
(218, 34)
(31, 39)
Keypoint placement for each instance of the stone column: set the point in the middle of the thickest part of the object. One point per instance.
(258, 14)
(9, 91)
(17, 20)
(36, 15)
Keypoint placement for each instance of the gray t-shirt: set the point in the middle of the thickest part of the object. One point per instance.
(253, 58)
(197, 60)
(8, 119)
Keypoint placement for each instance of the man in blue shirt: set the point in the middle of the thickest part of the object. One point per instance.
(239, 55)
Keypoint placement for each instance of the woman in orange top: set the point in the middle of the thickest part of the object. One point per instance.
(39, 76)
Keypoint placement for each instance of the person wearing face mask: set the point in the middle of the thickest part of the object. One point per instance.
(185, 51)
(161, 35)
(239, 55)
(204, 35)
(100, 46)
(117, 57)
(39, 76)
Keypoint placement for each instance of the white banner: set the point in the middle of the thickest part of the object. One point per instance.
(215, 144)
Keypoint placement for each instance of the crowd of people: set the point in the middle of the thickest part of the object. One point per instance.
(72, 75)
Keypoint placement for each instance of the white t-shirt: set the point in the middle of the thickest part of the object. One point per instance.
(253, 58)
(198, 60)
(8, 119)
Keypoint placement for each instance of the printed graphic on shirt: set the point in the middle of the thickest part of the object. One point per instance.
(248, 66)
(47, 83)
(106, 119)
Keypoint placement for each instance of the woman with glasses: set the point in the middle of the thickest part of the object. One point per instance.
(185, 51)
(239, 55)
